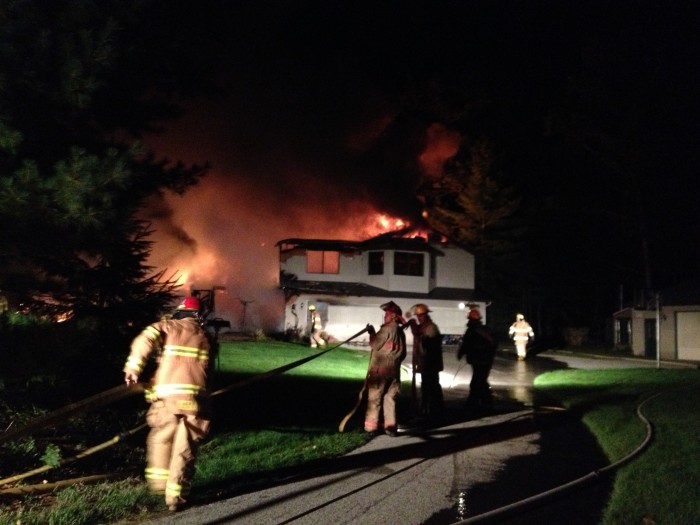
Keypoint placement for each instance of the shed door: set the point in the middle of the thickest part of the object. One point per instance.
(688, 330)
(650, 337)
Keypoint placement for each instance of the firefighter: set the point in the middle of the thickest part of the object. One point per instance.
(388, 350)
(521, 332)
(427, 360)
(479, 346)
(179, 415)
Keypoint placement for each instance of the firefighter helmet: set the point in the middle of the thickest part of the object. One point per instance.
(420, 308)
(391, 306)
(474, 314)
(190, 304)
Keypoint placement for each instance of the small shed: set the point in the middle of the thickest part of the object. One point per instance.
(671, 321)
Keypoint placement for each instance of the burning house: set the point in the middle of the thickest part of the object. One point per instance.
(333, 288)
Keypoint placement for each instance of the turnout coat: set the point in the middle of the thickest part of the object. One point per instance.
(183, 362)
(388, 351)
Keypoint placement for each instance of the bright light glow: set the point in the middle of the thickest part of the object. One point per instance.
(389, 223)
(461, 306)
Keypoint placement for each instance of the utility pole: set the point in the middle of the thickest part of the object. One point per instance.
(657, 297)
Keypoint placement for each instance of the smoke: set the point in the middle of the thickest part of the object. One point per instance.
(441, 145)
(303, 142)
(224, 231)
(323, 122)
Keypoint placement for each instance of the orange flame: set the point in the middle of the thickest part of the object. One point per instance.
(387, 224)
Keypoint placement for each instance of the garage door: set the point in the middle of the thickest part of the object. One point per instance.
(688, 326)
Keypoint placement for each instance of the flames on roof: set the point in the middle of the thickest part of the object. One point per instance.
(406, 238)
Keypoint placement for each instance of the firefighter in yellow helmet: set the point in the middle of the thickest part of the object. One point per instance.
(427, 360)
(179, 415)
(521, 332)
(383, 382)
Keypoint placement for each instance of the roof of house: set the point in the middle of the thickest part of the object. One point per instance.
(415, 244)
(365, 290)
(318, 244)
(395, 240)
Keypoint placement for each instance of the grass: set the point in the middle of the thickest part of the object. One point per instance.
(661, 484)
(261, 432)
(270, 429)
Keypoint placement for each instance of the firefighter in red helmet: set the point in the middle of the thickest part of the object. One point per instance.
(179, 415)
(388, 347)
(190, 304)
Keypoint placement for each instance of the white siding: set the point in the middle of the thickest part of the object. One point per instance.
(455, 269)
(688, 330)
(343, 316)
(345, 321)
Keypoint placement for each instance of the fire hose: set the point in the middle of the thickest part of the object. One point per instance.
(98, 400)
(498, 514)
(88, 452)
(282, 369)
(116, 394)
(360, 396)
(361, 393)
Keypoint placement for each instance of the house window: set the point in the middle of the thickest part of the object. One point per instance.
(322, 262)
(376, 263)
(408, 263)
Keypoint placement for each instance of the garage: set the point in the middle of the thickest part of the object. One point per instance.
(688, 335)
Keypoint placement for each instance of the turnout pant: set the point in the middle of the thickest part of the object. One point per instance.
(381, 401)
(432, 402)
(171, 450)
(479, 388)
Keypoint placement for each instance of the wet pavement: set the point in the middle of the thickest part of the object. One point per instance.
(471, 463)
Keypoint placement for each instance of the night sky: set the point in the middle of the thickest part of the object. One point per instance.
(325, 116)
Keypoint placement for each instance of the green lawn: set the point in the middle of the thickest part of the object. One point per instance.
(661, 484)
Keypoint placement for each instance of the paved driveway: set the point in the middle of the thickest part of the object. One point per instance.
(471, 464)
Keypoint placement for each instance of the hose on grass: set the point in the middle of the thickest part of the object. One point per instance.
(42, 488)
(500, 513)
(85, 453)
(103, 398)
(118, 393)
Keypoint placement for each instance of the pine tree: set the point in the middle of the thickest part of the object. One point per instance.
(474, 209)
(69, 190)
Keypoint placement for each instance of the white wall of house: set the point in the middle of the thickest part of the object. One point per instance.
(455, 269)
(342, 317)
(391, 282)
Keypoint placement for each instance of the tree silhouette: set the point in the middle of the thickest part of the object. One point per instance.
(474, 209)
(72, 174)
